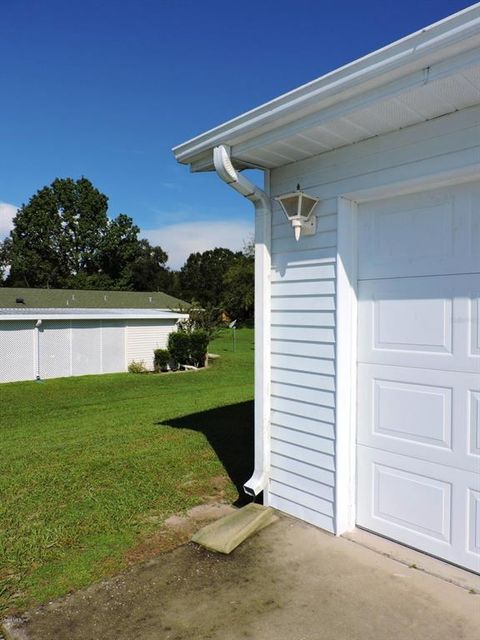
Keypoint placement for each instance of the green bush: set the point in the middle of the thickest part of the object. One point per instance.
(137, 367)
(188, 347)
(198, 347)
(179, 347)
(161, 359)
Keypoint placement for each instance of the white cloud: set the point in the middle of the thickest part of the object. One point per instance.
(182, 239)
(7, 212)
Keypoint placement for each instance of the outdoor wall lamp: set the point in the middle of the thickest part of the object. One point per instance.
(298, 207)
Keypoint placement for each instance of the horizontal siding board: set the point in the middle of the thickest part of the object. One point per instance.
(292, 273)
(301, 512)
(303, 469)
(301, 256)
(304, 318)
(302, 497)
(324, 225)
(309, 334)
(303, 379)
(303, 303)
(309, 288)
(143, 336)
(322, 366)
(302, 439)
(293, 353)
(304, 454)
(311, 395)
(311, 486)
(317, 241)
(300, 423)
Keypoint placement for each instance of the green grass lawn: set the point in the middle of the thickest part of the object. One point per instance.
(91, 465)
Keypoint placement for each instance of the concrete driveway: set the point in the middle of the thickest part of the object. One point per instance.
(289, 582)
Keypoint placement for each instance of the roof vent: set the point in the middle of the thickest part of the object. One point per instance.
(19, 300)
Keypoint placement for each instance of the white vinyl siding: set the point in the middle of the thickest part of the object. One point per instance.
(113, 346)
(303, 297)
(17, 351)
(143, 336)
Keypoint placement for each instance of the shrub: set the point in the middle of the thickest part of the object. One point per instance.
(198, 347)
(137, 367)
(161, 359)
(188, 347)
(179, 347)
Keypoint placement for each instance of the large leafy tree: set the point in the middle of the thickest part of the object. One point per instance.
(63, 237)
(239, 288)
(202, 276)
(149, 272)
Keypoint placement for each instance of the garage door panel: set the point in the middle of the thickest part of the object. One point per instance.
(474, 424)
(414, 412)
(474, 522)
(418, 409)
(421, 322)
(420, 234)
(423, 506)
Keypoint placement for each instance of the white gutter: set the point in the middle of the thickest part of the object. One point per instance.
(451, 36)
(84, 314)
(263, 222)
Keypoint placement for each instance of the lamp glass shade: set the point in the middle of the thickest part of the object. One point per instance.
(307, 204)
(290, 204)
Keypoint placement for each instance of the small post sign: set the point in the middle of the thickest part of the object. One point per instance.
(233, 327)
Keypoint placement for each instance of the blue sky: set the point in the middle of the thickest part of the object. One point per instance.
(105, 89)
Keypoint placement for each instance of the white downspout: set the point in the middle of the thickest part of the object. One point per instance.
(263, 220)
(38, 324)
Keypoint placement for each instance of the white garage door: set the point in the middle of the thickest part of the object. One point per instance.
(418, 434)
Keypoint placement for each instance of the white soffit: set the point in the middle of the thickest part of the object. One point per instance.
(431, 73)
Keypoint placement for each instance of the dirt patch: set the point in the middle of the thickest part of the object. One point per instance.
(176, 530)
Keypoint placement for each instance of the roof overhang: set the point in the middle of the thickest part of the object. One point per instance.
(90, 314)
(425, 75)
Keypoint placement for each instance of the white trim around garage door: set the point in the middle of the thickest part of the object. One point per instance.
(346, 338)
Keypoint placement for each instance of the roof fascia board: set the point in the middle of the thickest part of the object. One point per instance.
(434, 42)
(347, 106)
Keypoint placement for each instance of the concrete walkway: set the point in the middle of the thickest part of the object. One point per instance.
(289, 582)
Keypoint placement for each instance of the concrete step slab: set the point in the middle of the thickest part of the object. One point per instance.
(226, 534)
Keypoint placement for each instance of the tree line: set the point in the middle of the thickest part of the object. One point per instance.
(63, 238)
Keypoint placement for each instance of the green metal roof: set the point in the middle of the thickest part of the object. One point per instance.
(86, 299)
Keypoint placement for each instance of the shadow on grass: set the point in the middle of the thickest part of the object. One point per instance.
(229, 430)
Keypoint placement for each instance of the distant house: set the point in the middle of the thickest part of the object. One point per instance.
(51, 333)
(367, 375)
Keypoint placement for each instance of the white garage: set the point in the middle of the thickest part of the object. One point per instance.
(42, 343)
(367, 246)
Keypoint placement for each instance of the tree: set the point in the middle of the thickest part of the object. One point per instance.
(64, 238)
(201, 277)
(239, 287)
(149, 272)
